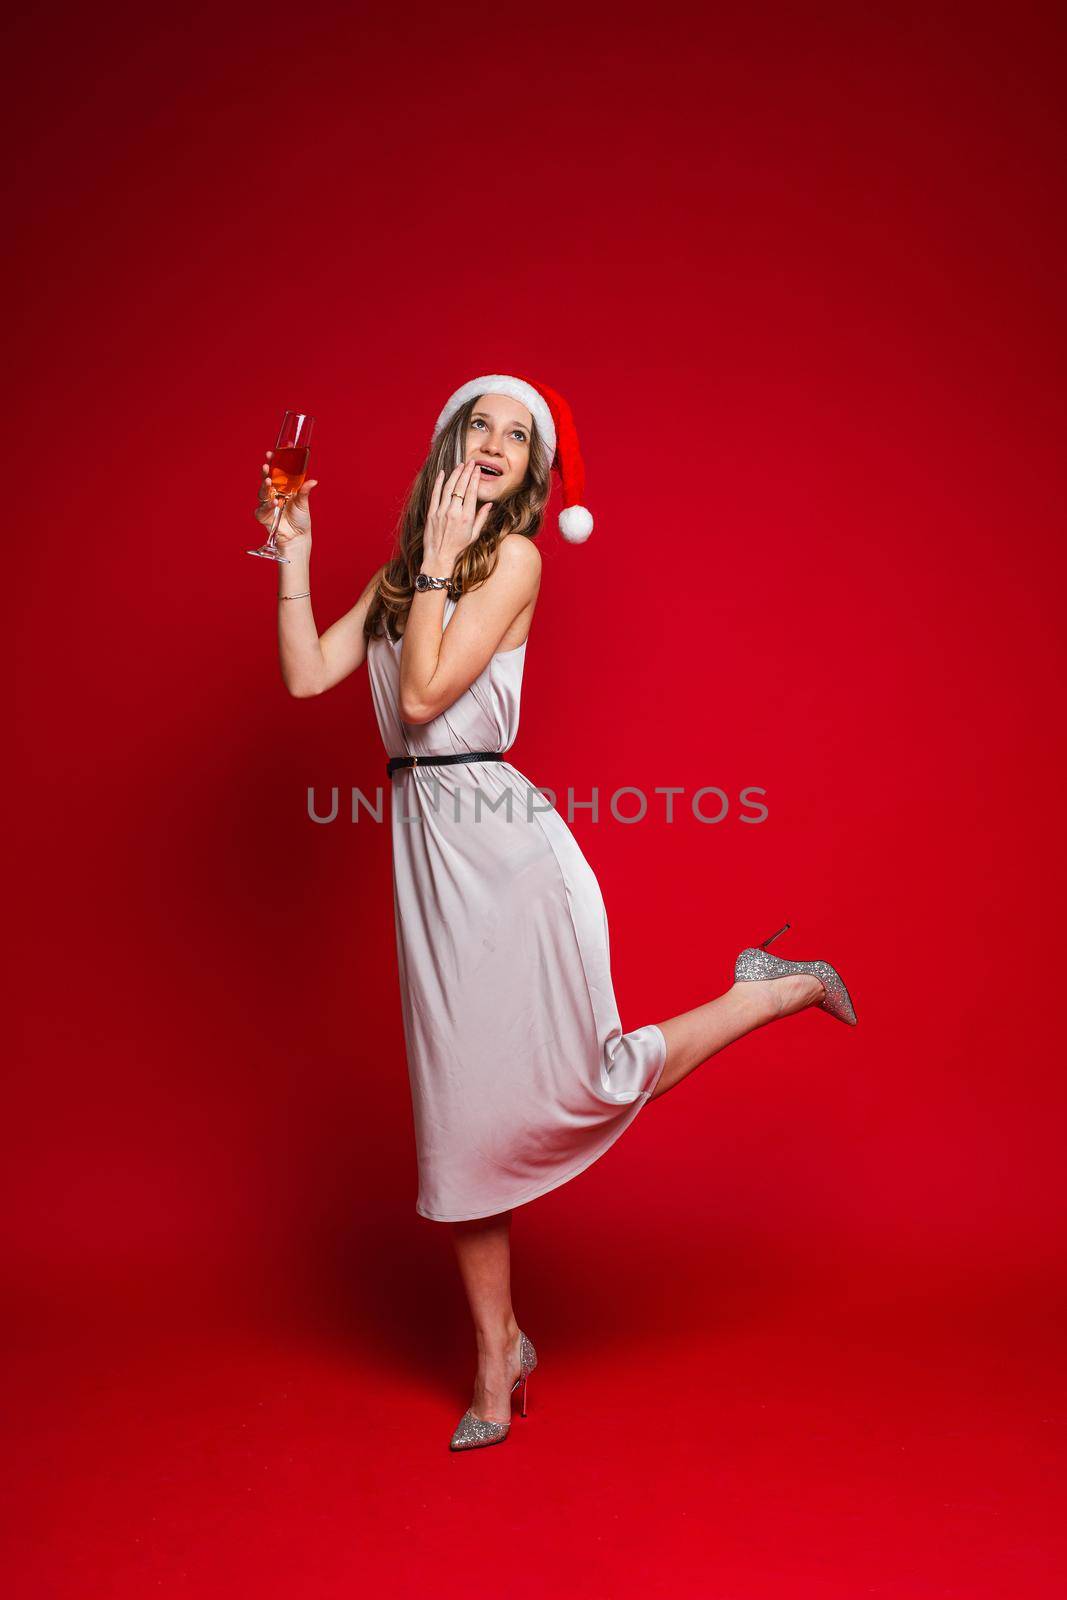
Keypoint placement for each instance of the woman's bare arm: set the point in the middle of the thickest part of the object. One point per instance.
(437, 664)
(312, 662)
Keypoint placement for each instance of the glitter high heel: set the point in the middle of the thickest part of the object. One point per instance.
(471, 1431)
(754, 965)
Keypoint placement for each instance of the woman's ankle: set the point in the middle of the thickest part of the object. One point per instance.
(757, 1002)
(499, 1340)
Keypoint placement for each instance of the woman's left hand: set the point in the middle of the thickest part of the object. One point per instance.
(454, 520)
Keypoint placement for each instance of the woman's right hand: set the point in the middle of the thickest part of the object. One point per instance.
(293, 537)
(454, 520)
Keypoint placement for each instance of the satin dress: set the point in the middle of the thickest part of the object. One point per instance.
(521, 1075)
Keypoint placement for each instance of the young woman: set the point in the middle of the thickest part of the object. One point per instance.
(521, 1075)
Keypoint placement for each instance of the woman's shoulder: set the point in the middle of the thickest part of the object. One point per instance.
(520, 551)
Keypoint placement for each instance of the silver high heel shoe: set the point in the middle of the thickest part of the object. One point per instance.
(754, 965)
(471, 1431)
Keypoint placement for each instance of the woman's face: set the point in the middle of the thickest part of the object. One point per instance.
(498, 434)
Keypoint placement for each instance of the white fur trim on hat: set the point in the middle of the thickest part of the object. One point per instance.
(499, 383)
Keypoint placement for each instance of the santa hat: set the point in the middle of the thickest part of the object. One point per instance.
(555, 425)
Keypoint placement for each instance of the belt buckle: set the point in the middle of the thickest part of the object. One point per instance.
(414, 761)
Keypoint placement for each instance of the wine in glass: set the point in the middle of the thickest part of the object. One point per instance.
(288, 469)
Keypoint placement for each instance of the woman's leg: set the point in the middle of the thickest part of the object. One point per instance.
(695, 1035)
(483, 1245)
(483, 1250)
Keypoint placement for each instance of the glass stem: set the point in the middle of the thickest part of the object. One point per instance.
(272, 542)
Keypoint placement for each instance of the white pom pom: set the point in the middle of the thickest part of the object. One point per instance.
(575, 524)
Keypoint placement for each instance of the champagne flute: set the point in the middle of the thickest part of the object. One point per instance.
(288, 469)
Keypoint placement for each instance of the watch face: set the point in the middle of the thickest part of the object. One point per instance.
(422, 581)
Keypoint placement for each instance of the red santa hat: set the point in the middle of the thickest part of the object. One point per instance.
(555, 424)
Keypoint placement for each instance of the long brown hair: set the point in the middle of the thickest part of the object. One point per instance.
(522, 512)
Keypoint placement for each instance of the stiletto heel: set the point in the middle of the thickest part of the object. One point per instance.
(472, 1431)
(756, 964)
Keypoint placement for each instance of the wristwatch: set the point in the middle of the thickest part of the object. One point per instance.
(423, 581)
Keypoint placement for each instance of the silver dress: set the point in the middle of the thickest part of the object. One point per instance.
(521, 1075)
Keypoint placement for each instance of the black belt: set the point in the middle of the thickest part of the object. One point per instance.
(395, 762)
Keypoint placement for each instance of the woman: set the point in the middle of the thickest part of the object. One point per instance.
(521, 1075)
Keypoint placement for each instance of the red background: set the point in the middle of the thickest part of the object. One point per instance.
(799, 273)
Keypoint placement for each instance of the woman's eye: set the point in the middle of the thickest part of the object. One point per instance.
(479, 423)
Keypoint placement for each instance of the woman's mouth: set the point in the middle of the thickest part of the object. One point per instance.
(489, 472)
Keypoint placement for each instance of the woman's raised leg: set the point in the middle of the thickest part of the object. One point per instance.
(483, 1250)
(693, 1036)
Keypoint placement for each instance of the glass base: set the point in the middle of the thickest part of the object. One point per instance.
(268, 554)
